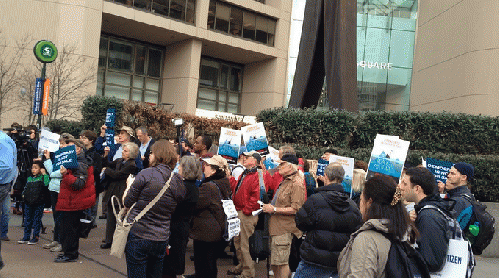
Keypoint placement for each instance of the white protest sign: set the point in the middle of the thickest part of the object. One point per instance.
(48, 141)
(348, 164)
(255, 138)
(229, 144)
(388, 156)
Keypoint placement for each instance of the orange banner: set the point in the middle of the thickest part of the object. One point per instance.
(45, 103)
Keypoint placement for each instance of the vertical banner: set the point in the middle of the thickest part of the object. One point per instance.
(45, 104)
(388, 156)
(110, 117)
(230, 142)
(255, 138)
(37, 98)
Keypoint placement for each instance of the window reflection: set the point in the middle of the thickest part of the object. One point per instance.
(184, 10)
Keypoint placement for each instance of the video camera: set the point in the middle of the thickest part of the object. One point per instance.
(19, 135)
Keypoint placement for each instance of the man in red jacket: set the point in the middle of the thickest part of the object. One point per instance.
(77, 193)
(245, 194)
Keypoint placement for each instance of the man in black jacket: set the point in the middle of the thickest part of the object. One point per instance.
(328, 217)
(146, 143)
(457, 183)
(418, 185)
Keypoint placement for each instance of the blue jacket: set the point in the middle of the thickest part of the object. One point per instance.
(8, 159)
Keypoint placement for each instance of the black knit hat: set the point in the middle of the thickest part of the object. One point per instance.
(465, 169)
(291, 158)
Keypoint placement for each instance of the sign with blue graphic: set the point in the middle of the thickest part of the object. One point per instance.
(388, 156)
(230, 142)
(439, 168)
(110, 117)
(321, 165)
(37, 98)
(110, 138)
(66, 157)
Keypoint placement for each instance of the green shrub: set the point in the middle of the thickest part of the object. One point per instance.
(94, 110)
(71, 127)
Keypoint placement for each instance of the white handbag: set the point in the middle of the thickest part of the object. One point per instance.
(123, 227)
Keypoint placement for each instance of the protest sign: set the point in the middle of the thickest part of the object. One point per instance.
(348, 165)
(321, 165)
(66, 157)
(255, 138)
(229, 144)
(439, 168)
(388, 156)
(271, 159)
(110, 117)
(48, 141)
(110, 138)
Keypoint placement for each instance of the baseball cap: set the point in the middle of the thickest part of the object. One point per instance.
(216, 160)
(254, 154)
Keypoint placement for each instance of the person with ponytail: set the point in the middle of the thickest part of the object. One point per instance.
(366, 254)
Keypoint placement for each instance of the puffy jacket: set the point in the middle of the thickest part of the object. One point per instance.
(246, 197)
(433, 241)
(33, 193)
(55, 176)
(77, 190)
(208, 222)
(155, 224)
(328, 218)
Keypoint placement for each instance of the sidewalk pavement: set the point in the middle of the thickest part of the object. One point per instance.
(32, 261)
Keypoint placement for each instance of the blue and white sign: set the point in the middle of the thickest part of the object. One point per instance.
(110, 138)
(37, 98)
(66, 157)
(110, 117)
(439, 168)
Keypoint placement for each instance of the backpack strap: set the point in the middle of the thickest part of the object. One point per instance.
(262, 184)
(451, 222)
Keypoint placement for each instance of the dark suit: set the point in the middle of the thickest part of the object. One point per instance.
(116, 173)
(145, 162)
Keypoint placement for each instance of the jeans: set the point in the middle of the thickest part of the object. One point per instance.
(305, 270)
(144, 257)
(32, 220)
(4, 193)
(4, 220)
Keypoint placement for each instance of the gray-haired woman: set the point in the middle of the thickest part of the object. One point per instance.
(190, 169)
(116, 173)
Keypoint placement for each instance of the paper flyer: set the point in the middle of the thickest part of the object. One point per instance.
(255, 138)
(388, 156)
(348, 165)
(229, 144)
(48, 141)
(439, 168)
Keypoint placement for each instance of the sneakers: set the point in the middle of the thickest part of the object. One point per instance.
(33, 241)
(23, 241)
(65, 259)
(57, 248)
(50, 245)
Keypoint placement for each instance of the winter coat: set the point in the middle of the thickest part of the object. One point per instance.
(155, 224)
(366, 253)
(208, 222)
(33, 193)
(433, 241)
(456, 194)
(328, 218)
(117, 173)
(77, 190)
(55, 176)
(246, 196)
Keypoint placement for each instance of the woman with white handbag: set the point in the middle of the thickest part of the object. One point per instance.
(151, 200)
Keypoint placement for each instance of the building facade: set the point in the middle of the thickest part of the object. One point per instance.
(228, 56)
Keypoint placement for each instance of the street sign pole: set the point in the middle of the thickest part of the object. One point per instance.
(45, 52)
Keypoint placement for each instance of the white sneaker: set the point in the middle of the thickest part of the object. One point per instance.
(50, 245)
(57, 248)
(271, 273)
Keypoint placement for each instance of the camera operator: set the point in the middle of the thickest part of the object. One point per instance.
(26, 152)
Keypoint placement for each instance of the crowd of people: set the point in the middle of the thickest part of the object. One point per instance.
(336, 231)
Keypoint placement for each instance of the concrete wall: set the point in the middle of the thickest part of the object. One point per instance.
(455, 57)
(492, 251)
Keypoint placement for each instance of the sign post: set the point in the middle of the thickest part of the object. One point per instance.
(45, 52)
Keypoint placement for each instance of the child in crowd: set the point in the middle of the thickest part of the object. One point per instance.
(34, 200)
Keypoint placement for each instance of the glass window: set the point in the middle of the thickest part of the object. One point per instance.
(177, 9)
(223, 17)
(142, 4)
(103, 52)
(271, 25)
(133, 71)
(249, 22)
(161, 7)
(155, 59)
(236, 21)
(191, 11)
(140, 59)
(223, 95)
(261, 29)
(209, 73)
(120, 56)
(211, 15)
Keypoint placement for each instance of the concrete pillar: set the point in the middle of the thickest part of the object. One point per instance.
(181, 75)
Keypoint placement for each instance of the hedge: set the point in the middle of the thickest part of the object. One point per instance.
(94, 110)
(483, 186)
(72, 127)
(440, 132)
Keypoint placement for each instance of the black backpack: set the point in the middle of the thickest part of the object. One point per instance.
(404, 261)
(486, 224)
